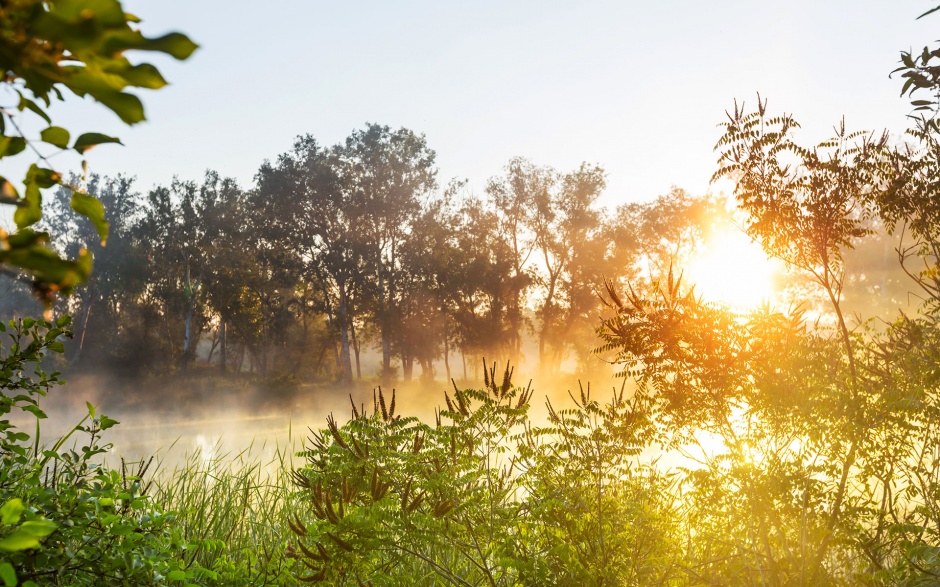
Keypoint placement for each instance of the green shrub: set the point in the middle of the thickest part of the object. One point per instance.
(484, 498)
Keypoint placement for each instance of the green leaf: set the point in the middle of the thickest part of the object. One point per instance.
(127, 106)
(8, 193)
(8, 575)
(27, 104)
(176, 575)
(17, 541)
(10, 511)
(36, 411)
(105, 12)
(91, 139)
(90, 207)
(143, 75)
(91, 409)
(46, 266)
(177, 45)
(107, 422)
(30, 210)
(11, 146)
(27, 535)
(56, 135)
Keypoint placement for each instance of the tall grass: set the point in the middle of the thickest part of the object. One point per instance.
(231, 510)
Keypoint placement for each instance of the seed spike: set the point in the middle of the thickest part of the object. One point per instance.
(382, 405)
(507, 380)
(309, 553)
(334, 431)
(450, 404)
(354, 410)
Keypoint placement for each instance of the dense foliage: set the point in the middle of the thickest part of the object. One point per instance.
(778, 447)
(47, 48)
(69, 519)
(315, 266)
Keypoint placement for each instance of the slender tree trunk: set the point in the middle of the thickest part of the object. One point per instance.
(407, 367)
(222, 350)
(265, 343)
(446, 352)
(81, 338)
(215, 345)
(548, 318)
(356, 346)
(345, 360)
(188, 322)
(241, 359)
(331, 319)
(384, 327)
(543, 363)
(427, 370)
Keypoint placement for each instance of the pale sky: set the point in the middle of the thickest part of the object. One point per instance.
(638, 87)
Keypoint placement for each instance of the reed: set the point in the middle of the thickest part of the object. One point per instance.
(230, 510)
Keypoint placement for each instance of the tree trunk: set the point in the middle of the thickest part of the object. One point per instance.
(336, 356)
(543, 362)
(407, 367)
(345, 359)
(356, 348)
(385, 330)
(215, 345)
(81, 338)
(188, 322)
(446, 353)
(222, 350)
(427, 370)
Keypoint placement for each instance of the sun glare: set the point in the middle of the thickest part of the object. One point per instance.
(732, 269)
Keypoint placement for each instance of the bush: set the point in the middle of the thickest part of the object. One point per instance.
(483, 497)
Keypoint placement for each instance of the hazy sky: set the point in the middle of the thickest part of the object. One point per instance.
(637, 87)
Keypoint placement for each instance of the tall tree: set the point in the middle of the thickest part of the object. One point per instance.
(430, 260)
(566, 220)
(312, 208)
(120, 274)
(514, 196)
(389, 172)
(180, 234)
(484, 283)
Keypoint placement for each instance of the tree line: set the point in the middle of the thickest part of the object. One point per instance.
(342, 250)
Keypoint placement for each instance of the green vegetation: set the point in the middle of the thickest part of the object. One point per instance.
(47, 48)
(779, 447)
(68, 520)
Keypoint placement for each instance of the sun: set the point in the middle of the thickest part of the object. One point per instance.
(732, 269)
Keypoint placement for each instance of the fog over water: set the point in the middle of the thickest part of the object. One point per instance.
(178, 418)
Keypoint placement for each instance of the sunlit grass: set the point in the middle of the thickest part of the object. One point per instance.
(232, 507)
